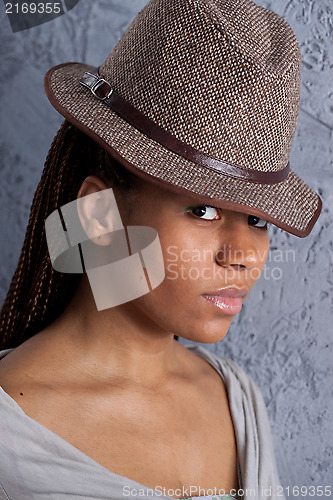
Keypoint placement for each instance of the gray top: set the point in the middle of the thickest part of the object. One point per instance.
(36, 463)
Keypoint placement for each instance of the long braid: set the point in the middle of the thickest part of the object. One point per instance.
(37, 294)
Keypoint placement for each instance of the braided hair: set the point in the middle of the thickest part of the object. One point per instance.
(38, 294)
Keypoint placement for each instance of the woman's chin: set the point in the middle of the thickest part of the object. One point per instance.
(207, 335)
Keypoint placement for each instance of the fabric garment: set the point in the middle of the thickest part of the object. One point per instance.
(37, 464)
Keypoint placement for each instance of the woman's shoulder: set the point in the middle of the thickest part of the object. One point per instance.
(36, 359)
(19, 362)
(12, 367)
(238, 383)
(29, 375)
(4, 352)
(225, 366)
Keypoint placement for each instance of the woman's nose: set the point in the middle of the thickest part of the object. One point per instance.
(238, 249)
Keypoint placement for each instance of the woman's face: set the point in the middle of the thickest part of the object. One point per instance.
(205, 250)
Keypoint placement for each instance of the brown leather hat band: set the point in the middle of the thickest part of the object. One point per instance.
(102, 90)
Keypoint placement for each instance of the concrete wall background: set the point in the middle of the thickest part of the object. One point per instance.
(283, 336)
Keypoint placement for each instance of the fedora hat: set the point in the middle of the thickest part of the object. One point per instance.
(202, 97)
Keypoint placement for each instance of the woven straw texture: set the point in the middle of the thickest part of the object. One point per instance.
(220, 76)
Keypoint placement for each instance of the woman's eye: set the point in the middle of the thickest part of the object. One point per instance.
(257, 222)
(205, 212)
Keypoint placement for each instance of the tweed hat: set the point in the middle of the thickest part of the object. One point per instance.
(202, 97)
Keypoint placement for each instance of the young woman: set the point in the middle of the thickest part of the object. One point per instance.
(190, 122)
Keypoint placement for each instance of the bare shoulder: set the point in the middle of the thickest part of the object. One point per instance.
(23, 369)
(18, 364)
(204, 374)
(197, 363)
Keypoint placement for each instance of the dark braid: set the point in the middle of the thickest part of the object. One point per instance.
(38, 294)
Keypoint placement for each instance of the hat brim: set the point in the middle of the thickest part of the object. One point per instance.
(291, 204)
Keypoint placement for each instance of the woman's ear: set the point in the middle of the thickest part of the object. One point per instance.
(97, 211)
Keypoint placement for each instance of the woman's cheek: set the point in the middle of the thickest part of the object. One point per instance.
(186, 264)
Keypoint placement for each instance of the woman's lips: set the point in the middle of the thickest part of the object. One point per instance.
(229, 300)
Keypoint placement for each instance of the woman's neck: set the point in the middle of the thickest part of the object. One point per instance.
(121, 341)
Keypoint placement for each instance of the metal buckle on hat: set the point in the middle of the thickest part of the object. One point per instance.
(98, 85)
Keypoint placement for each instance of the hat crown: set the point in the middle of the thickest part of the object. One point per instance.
(220, 76)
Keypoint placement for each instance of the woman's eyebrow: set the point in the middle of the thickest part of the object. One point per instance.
(191, 206)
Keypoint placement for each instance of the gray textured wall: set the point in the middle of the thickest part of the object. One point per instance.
(283, 336)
